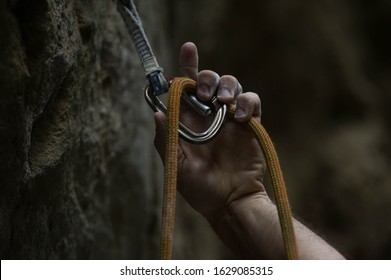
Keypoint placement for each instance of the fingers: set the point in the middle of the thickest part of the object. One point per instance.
(207, 83)
(229, 89)
(188, 61)
(248, 105)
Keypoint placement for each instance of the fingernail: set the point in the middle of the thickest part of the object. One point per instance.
(225, 93)
(203, 90)
(239, 113)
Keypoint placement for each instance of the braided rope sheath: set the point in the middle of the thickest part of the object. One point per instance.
(278, 183)
(171, 164)
(171, 167)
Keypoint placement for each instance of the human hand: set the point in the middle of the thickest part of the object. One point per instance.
(212, 176)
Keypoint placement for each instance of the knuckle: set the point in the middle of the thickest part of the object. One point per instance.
(249, 99)
(208, 74)
(209, 78)
(228, 78)
(228, 81)
(253, 97)
(231, 83)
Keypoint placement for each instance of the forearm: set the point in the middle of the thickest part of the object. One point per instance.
(250, 226)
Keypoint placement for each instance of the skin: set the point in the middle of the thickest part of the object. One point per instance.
(223, 179)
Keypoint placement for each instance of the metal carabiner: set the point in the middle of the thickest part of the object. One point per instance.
(220, 111)
(157, 83)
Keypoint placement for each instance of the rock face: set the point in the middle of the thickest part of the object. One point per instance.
(79, 174)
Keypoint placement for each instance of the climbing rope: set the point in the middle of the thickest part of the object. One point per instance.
(178, 86)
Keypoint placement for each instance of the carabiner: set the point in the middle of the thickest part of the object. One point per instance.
(186, 133)
(157, 84)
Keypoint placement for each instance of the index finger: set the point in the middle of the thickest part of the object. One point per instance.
(188, 61)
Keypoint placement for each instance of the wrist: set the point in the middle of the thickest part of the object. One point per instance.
(245, 224)
(238, 207)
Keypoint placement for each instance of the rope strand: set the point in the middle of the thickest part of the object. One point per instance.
(171, 168)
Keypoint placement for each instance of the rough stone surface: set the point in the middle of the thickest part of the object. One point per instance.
(79, 175)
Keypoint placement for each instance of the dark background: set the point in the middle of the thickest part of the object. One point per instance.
(79, 177)
(323, 72)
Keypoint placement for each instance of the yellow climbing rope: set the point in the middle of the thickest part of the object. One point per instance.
(170, 173)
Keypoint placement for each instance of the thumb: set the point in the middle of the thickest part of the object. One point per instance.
(160, 136)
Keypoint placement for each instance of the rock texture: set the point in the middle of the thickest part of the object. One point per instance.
(79, 174)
